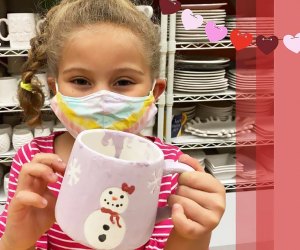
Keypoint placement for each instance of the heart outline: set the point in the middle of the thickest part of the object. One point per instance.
(267, 44)
(240, 40)
(169, 7)
(191, 21)
(290, 44)
(214, 32)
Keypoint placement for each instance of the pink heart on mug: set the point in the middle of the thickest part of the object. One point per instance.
(214, 32)
(292, 43)
(191, 21)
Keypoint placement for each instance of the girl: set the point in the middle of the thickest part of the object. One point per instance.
(104, 55)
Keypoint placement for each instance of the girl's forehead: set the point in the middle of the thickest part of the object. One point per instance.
(104, 44)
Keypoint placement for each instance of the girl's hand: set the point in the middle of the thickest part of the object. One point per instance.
(31, 211)
(199, 202)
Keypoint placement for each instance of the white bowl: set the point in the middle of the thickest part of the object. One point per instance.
(4, 142)
(41, 131)
(20, 138)
(8, 91)
(6, 128)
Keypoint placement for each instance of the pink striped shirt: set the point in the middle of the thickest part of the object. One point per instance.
(55, 238)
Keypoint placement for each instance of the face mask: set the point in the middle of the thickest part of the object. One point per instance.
(104, 109)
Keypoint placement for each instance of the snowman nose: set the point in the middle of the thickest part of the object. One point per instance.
(114, 198)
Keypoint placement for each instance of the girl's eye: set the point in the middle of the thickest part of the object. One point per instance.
(123, 83)
(81, 82)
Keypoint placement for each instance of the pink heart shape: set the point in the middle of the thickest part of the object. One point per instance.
(191, 21)
(215, 33)
(292, 43)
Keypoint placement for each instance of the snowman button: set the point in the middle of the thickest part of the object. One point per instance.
(102, 237)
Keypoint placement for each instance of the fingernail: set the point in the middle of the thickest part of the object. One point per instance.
(61, 162)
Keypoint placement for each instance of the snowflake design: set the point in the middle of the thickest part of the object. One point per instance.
(73, 172)
(155, 183)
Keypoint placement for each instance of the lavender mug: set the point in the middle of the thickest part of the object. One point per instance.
(109, 194)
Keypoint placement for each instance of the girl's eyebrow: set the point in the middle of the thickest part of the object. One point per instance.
(126, 69)
(68, 70)
(116, 70)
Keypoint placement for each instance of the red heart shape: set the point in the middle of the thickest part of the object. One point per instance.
(128, 189)
(169, 7)
(239, 40)
(267, 44)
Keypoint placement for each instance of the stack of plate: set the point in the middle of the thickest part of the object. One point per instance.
(209, 12)
(254, 25)
(223, 166)
(254, 108)
(201, 74)
(199, 155)
(221, 110)
(248, 80)
(190, 111)
(252, 168)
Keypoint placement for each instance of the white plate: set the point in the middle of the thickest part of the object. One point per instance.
(190, 36)
(198, 76)
(201, 72)
(202, 78)
(192, 40)
(230, 17)
(201, 87)
(208, 6)
(208, 60)
(200, 82)
(204, 10)
(200, 91)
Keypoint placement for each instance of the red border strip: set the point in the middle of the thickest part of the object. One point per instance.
(287, 124)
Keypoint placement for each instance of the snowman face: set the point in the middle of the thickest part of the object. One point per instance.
(101, 233)
(115, 199)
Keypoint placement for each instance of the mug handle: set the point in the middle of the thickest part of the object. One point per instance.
(2, 37)
(171, 167)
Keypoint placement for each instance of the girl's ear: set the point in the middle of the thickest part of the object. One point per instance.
(159, 88)
(51, 84)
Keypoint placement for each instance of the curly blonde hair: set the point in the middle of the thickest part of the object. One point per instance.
(60, 22)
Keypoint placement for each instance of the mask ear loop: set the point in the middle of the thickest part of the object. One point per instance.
(153, 86)
(56, 86)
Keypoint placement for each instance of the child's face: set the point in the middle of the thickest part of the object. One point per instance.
(104, 56)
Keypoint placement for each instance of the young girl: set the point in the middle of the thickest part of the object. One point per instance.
(104, 55)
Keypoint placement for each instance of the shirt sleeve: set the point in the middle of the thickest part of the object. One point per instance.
(23, 156)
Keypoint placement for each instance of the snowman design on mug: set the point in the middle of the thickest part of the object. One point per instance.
(105, 229)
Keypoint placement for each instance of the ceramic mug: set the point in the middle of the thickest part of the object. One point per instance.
(21, 29)
(109, 194)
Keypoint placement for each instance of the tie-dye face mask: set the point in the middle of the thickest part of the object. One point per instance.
(104, 109)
